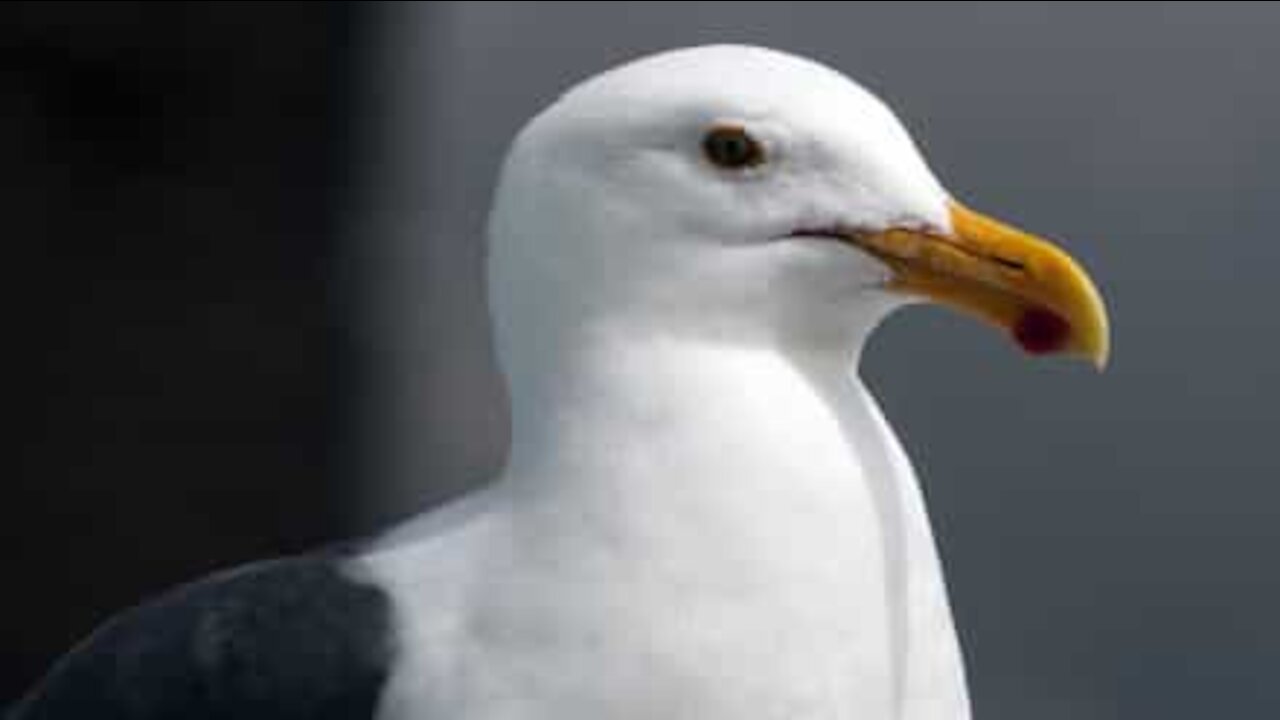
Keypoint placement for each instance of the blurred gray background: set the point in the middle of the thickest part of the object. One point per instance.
(1109, 539)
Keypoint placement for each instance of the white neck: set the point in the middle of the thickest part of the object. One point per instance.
(729, 469)
(739, 472)
(658, 415)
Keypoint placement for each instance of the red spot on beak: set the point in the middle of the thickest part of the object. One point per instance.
(1040, 331)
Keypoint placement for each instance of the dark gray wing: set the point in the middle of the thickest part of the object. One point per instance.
(285, 639)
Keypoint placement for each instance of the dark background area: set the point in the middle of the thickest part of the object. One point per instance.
(172, 179)
(246, 241)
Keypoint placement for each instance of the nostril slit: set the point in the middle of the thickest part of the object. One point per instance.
(1009, 263)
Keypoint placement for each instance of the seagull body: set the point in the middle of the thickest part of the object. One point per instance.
(600, 580)
(703, 513)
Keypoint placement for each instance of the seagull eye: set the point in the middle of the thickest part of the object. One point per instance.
(732, 148)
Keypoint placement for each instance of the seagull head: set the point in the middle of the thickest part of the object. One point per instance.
(741, 195)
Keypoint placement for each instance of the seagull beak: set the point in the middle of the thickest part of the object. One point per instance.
(1009, 278)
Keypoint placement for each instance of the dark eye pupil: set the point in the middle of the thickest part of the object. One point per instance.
(731, 147)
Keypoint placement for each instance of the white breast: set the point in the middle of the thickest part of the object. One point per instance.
(735, 536)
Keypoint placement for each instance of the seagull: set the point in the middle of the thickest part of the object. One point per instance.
(703, 514)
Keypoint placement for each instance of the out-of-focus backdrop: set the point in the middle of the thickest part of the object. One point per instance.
(244, 245)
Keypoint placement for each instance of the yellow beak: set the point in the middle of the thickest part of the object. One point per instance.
(1016, 281)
